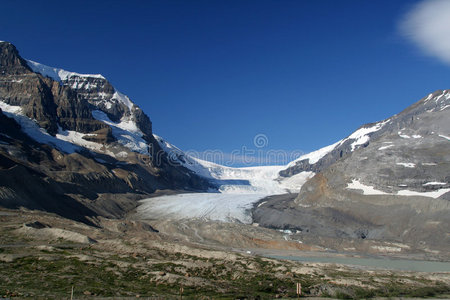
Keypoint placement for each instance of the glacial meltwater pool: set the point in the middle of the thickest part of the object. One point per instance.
(382, 263)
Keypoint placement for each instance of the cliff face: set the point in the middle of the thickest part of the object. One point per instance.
(49, 102)
(80, 140)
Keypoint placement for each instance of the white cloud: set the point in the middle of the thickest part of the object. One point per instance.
(428, 26)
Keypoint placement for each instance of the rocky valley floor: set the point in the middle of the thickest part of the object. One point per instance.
(42, 256)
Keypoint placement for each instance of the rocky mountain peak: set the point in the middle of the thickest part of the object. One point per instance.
(10, 60)
(100, 94)
(78, 143)
(428, 108)
(60, 101)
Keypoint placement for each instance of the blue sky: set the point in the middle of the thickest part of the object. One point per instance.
(214, 74)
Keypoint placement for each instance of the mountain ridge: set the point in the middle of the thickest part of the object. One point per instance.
(394, 187)
(89, 149)
(81, 138)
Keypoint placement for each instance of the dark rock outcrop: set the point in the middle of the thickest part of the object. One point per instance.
(10, 61)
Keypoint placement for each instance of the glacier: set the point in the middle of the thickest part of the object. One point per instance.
(239, 189)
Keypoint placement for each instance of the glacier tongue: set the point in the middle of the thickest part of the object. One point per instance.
(208, 206)
(238, 190)
(263, 180)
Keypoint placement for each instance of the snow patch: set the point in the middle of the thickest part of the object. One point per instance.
(434, 183)
(56, 73)
(445, 107)
(439, 97)
(122, 154)
(403, 135)
(13, 80)
(126, 132)
(32, 129)
(123, 99)
(445, 137)
(262, 203)
(315, 156)
(77, 139)
(361, 135)
(406, 165)
(385, 147)
(367, 190)
(386, 248)
(432, 194)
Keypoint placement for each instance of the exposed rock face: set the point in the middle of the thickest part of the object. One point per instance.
(392, 185)
(43, 99)
(10, 61)
(411, 151)
(97, 148)
(369, 133)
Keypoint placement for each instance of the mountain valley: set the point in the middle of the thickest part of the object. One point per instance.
(84, 178)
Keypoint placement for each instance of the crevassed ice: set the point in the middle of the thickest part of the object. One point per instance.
(263, 180)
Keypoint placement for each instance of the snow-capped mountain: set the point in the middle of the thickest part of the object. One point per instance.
(83, 116)
(424, 126)
(85, 145)
(388, 181)
(72, 111)
(72, 144)
(391, 140)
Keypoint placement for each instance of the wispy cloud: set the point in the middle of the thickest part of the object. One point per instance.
(427, 24)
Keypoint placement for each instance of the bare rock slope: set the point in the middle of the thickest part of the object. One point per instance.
(387, 181)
